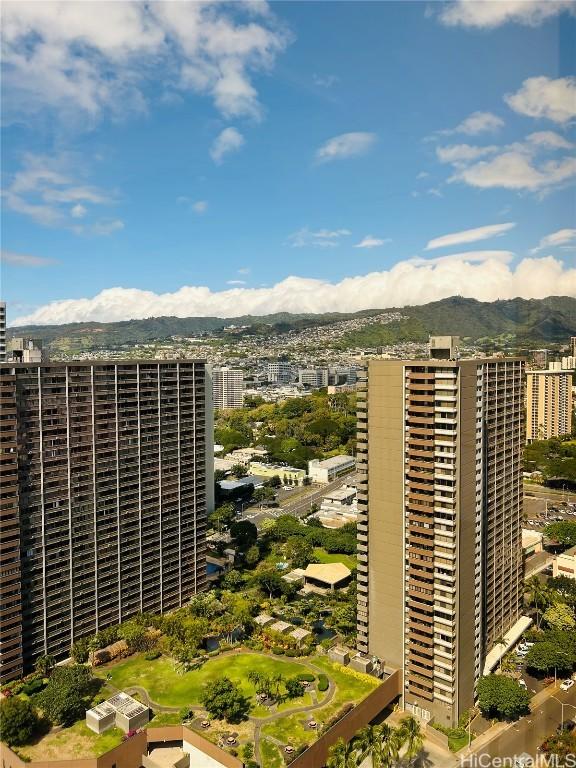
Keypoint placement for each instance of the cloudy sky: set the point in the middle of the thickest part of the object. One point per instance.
(224, 158)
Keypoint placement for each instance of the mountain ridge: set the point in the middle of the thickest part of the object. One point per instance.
(551, 319)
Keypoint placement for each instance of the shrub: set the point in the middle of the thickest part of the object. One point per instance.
(18, 721)
(292, 652)
(323, 683)
(278, 651)
(34, 686)
(306, 677)
(213, 653)
(151, 655)
(337, 717)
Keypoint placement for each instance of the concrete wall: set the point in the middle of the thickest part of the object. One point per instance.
(363, 713)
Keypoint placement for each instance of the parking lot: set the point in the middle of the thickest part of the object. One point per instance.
(539, 512)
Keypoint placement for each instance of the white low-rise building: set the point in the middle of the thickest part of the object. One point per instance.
(330, 469)
(565, 564)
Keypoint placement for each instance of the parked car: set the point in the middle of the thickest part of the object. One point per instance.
(565, 685)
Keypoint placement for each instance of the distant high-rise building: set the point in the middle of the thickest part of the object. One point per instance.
(548, 403)
(2, 331)
(280, 372)
(227, 387)
(107, 477)
(313, 377)
(444, 347)
(540, 358)
(439, 522)
(24, 350)
(572, 346)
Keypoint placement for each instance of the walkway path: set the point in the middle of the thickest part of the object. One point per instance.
(257, 721)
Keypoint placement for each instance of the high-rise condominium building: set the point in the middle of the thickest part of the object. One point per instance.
(227, 387)
(572, 346)
(2, 331)
(439, 521)
(548, 403)
(280, 372)
(106, 473)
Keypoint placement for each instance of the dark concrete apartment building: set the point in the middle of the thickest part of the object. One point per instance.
(439, 526)
(106, 475)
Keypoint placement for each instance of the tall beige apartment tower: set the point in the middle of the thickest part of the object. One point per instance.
(227, 387)
(106, 475)
(439, 523)
(548, 403)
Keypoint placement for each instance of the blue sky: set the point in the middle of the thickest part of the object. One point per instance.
(231, 158)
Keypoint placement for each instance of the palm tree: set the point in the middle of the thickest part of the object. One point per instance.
(343, 755)
(369, 741)
(256, 679)
(392, 743)
(500, 641)
(538, 595)
(412, 736)
(45, 664)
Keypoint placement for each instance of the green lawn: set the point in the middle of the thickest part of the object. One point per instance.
(75, 742)
(271, 756)
(333, 557)
(168, 686)
(351, 686)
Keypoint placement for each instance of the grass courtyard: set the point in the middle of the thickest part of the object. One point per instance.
(334, 557)
(77, 741)
(168, 686)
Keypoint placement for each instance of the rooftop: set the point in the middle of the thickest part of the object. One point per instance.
(329, 573)
(333, 461)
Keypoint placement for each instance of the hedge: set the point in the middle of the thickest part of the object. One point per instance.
(306, 677)
(323, 683)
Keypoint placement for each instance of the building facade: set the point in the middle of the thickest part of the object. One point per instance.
(548, 403)
(330, 469)
(280, 372)
(227, 388)
(2, 331)
(313, 377)
(439, 522)
(106, 472)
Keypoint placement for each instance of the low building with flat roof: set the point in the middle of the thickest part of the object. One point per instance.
(565, 564)
(330, 469)
(286, 474)
(532, 541)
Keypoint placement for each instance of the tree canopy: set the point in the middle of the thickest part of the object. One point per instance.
(502, 697)
(224, 700)
(18, 721)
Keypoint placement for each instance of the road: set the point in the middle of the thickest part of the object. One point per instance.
(300, 505)
(529, 732)
(540, 492)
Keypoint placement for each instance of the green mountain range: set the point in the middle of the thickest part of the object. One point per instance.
(530, 322)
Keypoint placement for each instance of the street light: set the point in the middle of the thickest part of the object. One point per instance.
(563, 704)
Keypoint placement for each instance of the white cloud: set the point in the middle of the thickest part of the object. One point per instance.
(24, 260)
(105, 227)
(543, 97)
(325, 81)
(470, 257)
(562, 237)
(346, 145)
(235, 282)
(486, 14)
(372, 242)
(457, 153)
(45, 186)
(244, 271)
(549, 139)
(322, 238)
(479, 122)
(200, 206)
(405, 283)
(229, 140)
(515, 170)
(78, 211)
(469, 235)
(72, 57)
